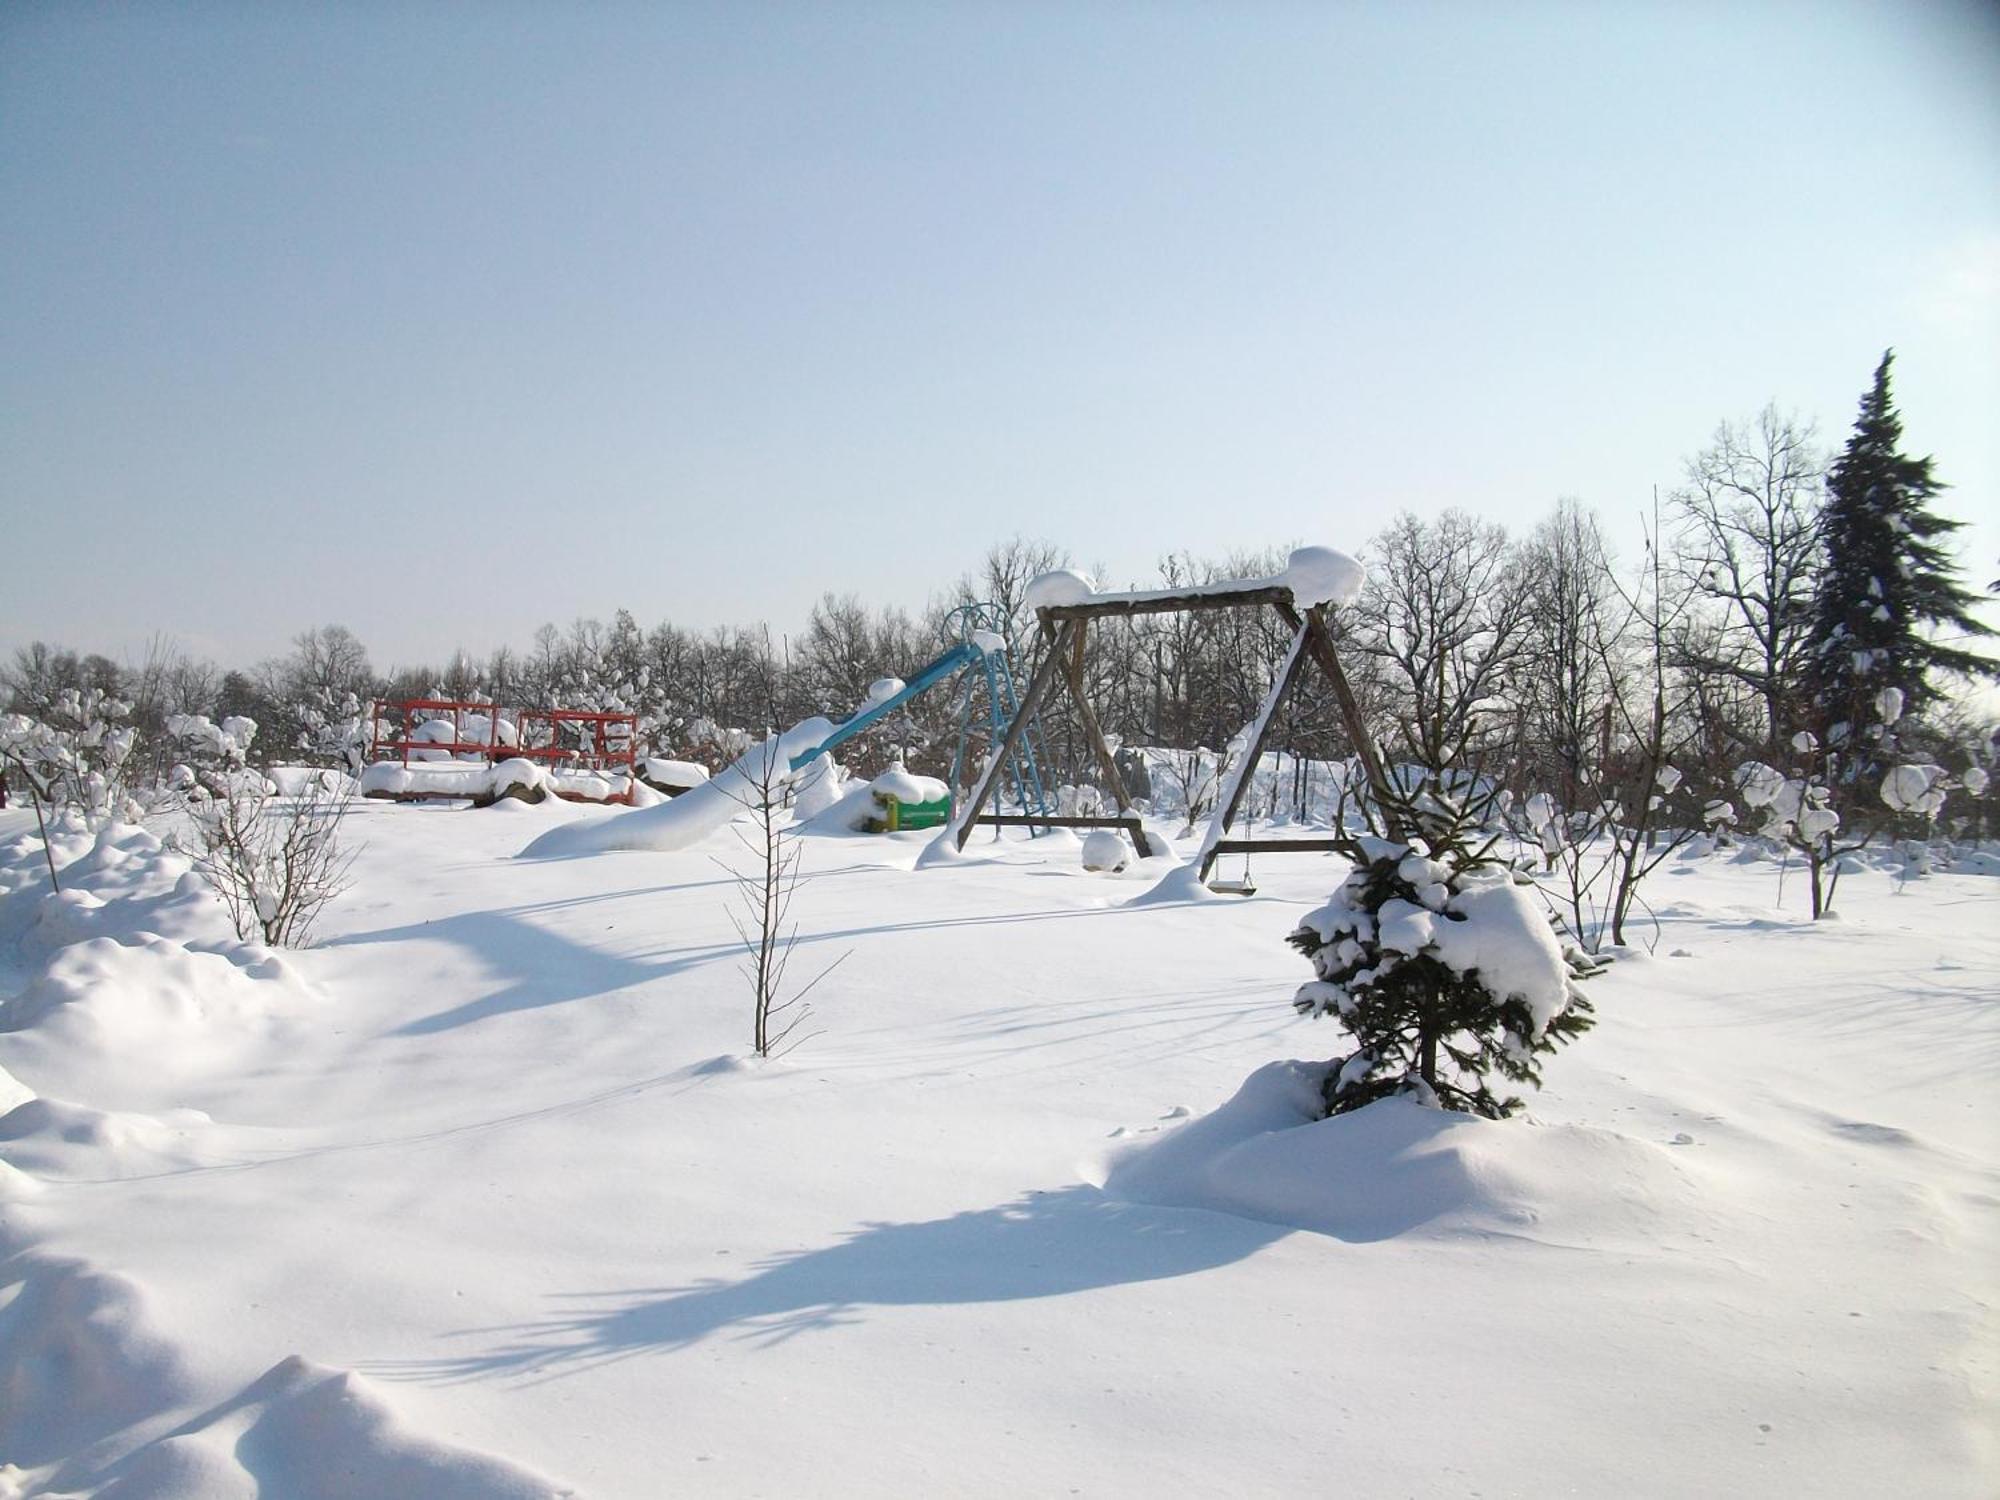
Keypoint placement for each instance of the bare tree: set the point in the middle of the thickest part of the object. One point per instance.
(1749, 544)
(1445, 614)
(276, 862)
(763, 897)
(1648, 709)
(1571, 650)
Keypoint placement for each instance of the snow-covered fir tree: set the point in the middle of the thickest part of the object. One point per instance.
(1887, 589)
(1441, 963)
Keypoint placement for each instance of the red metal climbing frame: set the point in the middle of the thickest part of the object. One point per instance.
(559, 738)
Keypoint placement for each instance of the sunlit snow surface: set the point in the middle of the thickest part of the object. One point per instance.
(483, 1198)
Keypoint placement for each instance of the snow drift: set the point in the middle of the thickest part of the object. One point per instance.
(1397, 1166)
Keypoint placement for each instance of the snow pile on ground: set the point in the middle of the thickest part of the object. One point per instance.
(1104, 849)
(1181, 883)
(82, 1368)
(1398, 1166)
(132, 990)
(820, 784)
(138, 989)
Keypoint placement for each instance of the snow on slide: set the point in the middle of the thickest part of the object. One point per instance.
(694, 814)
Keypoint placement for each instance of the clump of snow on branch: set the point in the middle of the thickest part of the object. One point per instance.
(1917, 790)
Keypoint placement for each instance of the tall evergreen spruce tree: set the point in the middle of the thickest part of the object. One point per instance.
(1886, 585)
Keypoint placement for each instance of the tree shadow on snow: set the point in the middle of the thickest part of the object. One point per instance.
(1042, 1245)
(541, 968)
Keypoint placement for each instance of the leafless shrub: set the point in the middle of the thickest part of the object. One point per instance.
(761, 912)
(276, 862)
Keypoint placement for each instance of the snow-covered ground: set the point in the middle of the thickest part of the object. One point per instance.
(481, 1198)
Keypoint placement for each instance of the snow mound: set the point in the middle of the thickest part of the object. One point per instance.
(119, 881)
(1063, 586)
(12, 1091)
(313, 1433)
(850, 812)
(1397, 1166)
(133, 1024)
(77, 1364)
(1320, 575)
(46, 1135)
(1105, 850)
(1181, 883)
(134, 993)
(83, 1372)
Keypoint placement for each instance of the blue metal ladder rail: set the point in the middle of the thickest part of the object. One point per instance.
(1024, 772)
(1024, 769)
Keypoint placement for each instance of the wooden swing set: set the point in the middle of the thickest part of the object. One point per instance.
(1065, 634)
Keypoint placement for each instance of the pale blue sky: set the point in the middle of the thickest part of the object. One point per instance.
(444, 320)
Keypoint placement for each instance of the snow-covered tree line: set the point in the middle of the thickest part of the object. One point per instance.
(1777, 594)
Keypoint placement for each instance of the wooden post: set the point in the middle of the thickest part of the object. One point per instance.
(1106, 761)
(1031, 701)
(1321, 645)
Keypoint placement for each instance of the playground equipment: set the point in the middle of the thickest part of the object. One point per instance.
(428, 731)
(778, 760)
(905, 802)
(1313, 581)
(980, 656)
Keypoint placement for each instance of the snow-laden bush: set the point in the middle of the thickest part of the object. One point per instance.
(1443, 970)
(274, 861)
(1600, 853)
(75, 758)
